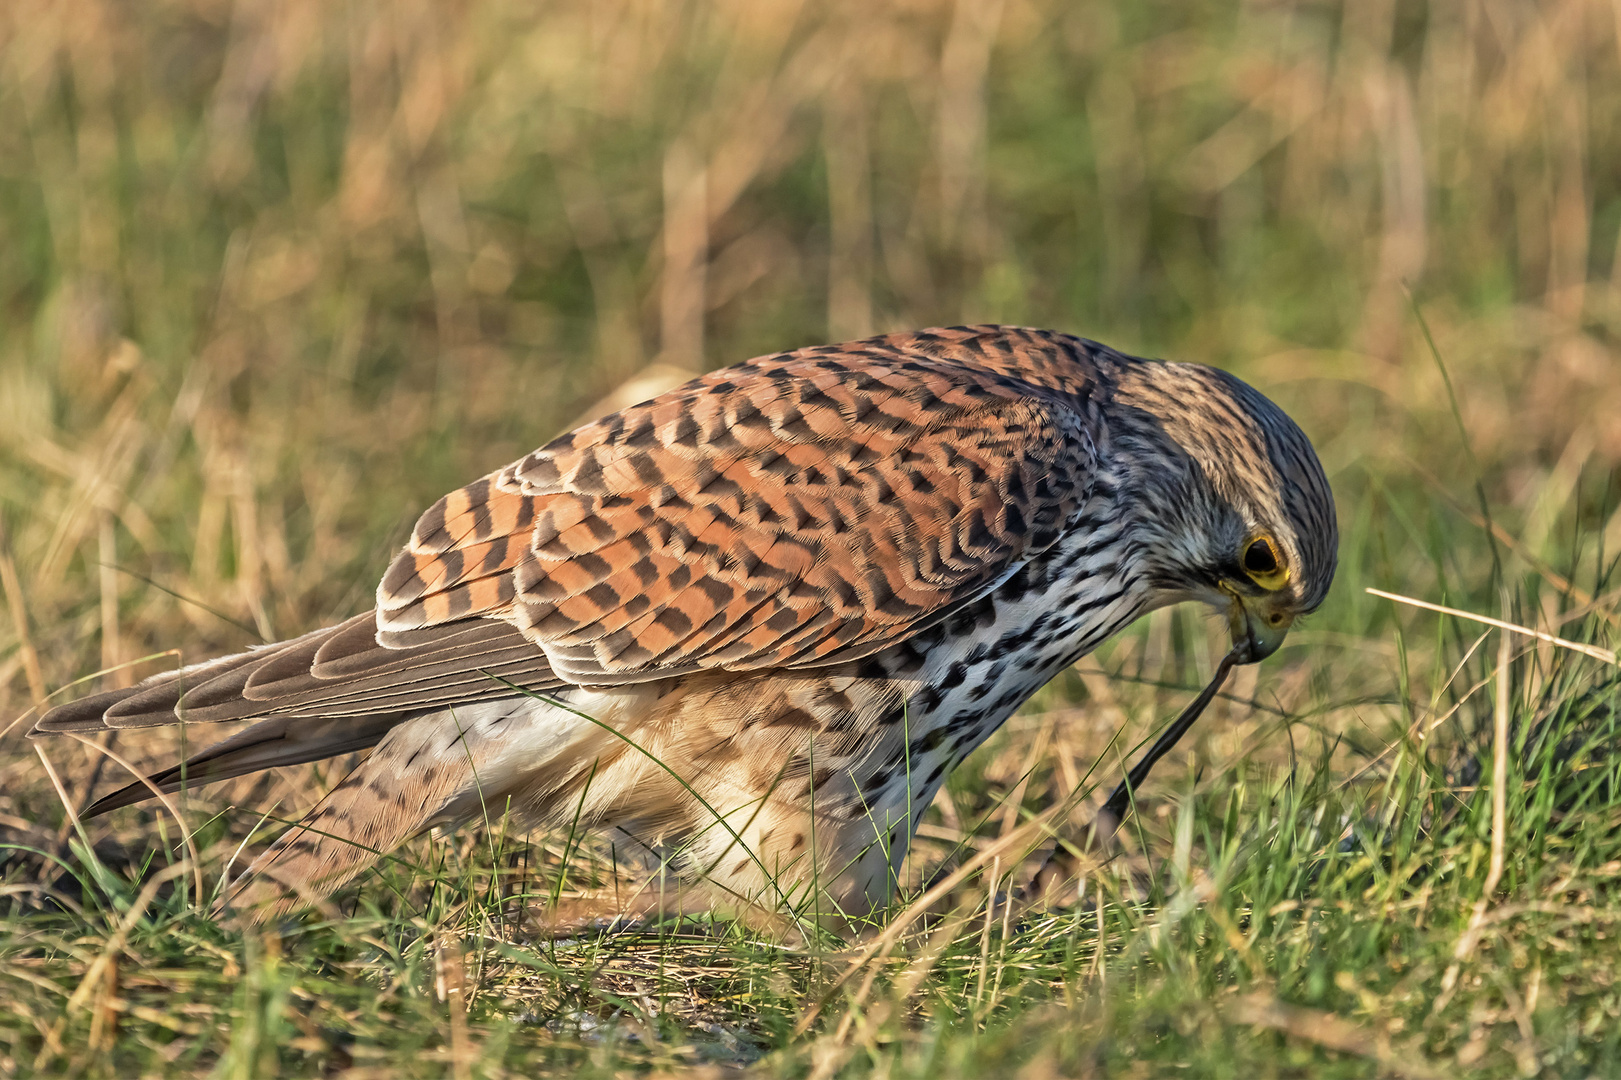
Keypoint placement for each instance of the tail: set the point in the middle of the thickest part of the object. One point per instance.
(418, 777)
(332, 691)
(266, 745)
(353, 827)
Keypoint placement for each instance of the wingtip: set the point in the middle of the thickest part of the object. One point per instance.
(86, 715)
(128, 795)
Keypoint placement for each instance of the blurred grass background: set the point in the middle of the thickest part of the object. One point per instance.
(275, 274)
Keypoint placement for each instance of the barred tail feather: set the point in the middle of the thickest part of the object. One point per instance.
(391, 797)
(441, 769)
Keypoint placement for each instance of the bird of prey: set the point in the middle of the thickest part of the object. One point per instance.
(762, 616)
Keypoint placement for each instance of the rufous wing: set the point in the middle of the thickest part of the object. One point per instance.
(795, 511)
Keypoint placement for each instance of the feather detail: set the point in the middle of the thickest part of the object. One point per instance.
(265, 745)
(800, 509)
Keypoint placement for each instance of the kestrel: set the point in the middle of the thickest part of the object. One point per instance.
(759, 619)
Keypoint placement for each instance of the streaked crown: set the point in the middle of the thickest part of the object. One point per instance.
(1235, 484)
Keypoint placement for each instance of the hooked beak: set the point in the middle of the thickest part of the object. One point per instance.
(1258, 625)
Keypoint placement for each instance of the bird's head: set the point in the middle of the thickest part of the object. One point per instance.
(1232, 490)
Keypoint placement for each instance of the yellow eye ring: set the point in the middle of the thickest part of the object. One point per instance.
(1263, 563)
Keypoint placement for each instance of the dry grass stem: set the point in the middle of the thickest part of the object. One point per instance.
(1597, 653)
(278, 274)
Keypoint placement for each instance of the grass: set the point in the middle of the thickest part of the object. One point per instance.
(273, 277)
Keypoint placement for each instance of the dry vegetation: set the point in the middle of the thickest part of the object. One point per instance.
(274, 274)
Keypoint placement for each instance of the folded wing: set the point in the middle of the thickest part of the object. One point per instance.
(799, 510)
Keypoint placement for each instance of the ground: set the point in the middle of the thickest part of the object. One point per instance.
(275, 276)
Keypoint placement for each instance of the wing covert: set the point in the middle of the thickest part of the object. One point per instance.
(794, 511)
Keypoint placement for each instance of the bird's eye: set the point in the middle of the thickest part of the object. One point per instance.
(1262, 563)
(1260, 559)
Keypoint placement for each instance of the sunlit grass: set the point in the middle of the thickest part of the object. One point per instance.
(275, 276)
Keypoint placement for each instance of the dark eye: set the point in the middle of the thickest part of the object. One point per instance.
(1260, 558)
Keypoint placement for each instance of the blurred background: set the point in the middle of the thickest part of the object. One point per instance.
(275, 274)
